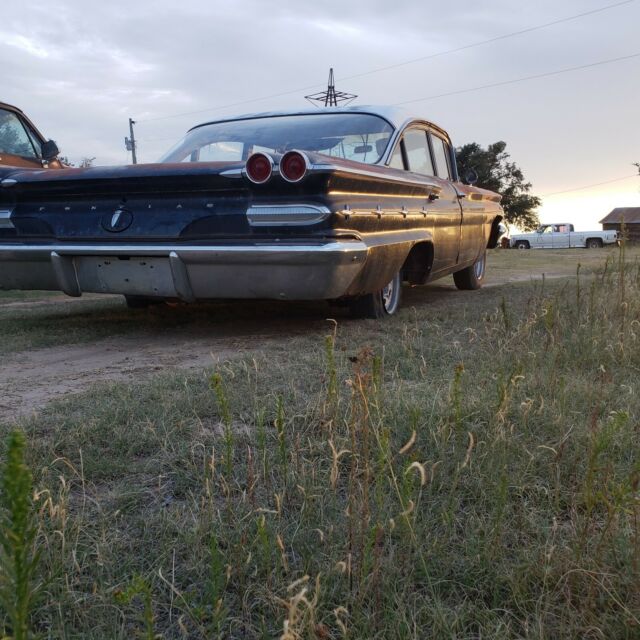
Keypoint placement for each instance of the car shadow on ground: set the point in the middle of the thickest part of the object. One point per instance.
(66, 346)
(111, 311)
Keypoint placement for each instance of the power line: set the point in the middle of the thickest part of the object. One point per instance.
(589, 186)
(400, 64)
(502, 83)
(523, 79)
(490, 40)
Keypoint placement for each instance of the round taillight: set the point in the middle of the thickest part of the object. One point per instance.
(293, 166)
(259, 168)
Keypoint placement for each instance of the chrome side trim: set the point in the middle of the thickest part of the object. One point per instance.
(432, 186)
(14, 250)
(232, 173)
(401, 236)
(5, 219)
(286, 214)
(8, 182)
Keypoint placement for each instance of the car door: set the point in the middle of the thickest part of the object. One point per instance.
(547, 237)
(472, 240)
(543, 238)
(444, 212)
(16, 147)
(561, 237)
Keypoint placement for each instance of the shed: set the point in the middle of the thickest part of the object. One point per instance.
(630, 216)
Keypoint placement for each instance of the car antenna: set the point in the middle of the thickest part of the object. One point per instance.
(331, 97)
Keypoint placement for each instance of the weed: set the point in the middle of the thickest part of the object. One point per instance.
(19, 553)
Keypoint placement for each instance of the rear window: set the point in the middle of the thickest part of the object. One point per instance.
(352, 136)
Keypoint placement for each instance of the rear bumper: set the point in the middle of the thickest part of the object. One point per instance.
(277, 271)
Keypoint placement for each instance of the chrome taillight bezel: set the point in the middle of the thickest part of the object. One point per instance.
(253, 157)
(282, 163)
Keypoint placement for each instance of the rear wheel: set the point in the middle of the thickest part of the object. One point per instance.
(471, 277)
(594, 243)
(522, 244)
(379, 304)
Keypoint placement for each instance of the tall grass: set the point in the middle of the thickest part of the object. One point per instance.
(465, 471)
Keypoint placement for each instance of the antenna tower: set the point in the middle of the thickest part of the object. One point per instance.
(331, 97)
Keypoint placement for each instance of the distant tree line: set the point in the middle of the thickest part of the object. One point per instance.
(83, 164)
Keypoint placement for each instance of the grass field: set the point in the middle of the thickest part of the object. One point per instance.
(468, 469)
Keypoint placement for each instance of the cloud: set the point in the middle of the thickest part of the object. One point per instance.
(81, 68)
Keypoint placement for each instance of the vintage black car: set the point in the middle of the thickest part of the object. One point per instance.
(336, 204)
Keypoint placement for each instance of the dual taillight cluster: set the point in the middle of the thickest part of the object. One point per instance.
(293, 167)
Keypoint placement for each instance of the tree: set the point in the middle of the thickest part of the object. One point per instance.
(83, 164)
(497, 173)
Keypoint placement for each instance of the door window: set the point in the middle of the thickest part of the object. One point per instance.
(35, 140)
(13, 136)
(415, 144)
(441, 156)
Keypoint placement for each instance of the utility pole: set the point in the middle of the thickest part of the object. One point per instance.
(331, 97)
(130, 143)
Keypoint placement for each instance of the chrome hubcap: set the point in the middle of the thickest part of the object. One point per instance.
(390, 296)
(387, 295)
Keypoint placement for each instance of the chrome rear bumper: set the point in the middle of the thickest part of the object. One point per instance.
(276, 271)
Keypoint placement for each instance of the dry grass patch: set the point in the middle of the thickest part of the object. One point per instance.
(468, 469)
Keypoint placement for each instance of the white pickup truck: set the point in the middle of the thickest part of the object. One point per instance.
(562, 236)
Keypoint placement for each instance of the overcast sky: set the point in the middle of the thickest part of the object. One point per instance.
(81, 68)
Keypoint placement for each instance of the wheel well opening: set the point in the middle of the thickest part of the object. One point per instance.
(494, 235)
(417, 266)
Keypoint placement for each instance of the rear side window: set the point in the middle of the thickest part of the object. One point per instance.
(13, 137)
(415, 144)
(396, 161)
(441, 156)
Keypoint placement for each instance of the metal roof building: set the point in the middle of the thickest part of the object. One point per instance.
(629, 216)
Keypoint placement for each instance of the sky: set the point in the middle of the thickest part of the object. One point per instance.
(80, 69)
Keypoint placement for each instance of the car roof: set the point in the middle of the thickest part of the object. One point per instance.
(6, 105)
(10, 107)
(397, 117)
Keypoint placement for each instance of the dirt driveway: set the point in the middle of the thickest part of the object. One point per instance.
(30, 379)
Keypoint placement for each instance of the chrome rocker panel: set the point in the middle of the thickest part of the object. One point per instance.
(271, 271)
